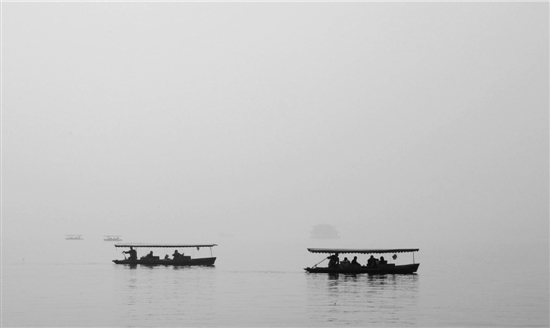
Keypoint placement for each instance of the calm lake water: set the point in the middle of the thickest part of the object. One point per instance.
(75, 284)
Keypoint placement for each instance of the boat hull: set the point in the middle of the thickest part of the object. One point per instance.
(397, 269)
(206, 261)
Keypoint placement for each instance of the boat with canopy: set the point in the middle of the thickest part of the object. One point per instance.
(373, 266)
(177, 259)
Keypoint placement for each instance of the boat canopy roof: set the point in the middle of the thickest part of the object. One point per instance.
(163, 245)
(362, 251)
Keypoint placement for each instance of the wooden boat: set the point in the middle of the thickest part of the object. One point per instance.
(112, 238)
(378, 267)
(180, 260)
(74, 237)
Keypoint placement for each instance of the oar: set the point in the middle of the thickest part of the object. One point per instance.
(319, 262)
(124, 255)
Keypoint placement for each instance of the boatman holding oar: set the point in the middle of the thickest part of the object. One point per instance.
(132, 252)
(334, 261)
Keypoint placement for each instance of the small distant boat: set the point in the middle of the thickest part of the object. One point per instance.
(112, 238)
(375, 267)
(74, 237)
(179, 259)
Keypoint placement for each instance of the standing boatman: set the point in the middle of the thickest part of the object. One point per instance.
(132, 252)
(334, 261)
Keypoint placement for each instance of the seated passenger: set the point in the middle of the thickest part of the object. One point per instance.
(166, 257)
(345, 263)
(382, 261)
(177, 255)
(354, 263)
(371, 262)
(150, 255)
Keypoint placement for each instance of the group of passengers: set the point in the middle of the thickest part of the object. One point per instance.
(149, 256)
(335, 263)
(133, 255)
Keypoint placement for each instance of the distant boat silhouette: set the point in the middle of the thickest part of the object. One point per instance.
(112, 238)
(74, 237)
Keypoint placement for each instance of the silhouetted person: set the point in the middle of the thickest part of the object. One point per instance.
(176, 255)
(345, 263)
(133, 254)
(334, 261)
(382, 261)
(150, 255)
(354, 262)
(371, 261)
(166, 257)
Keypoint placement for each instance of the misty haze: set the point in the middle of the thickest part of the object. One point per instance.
(267, 129)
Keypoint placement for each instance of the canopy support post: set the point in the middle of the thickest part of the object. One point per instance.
(413, 257)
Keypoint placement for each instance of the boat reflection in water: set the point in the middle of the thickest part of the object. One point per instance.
(360, 300)
(178, 259)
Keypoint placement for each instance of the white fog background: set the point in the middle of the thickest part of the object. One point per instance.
(401, 124)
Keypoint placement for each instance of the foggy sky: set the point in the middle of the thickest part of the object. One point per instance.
(397, 123)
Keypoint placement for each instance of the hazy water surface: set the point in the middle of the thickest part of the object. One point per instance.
(264, 285)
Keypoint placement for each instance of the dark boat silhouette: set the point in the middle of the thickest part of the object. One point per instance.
(375, 267)
(180, 260)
